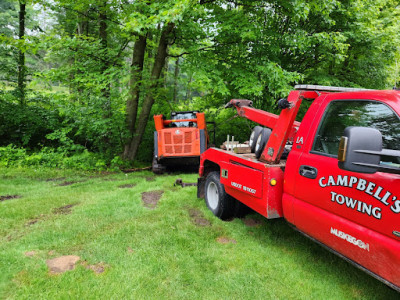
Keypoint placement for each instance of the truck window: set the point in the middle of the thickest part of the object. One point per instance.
(341, 114)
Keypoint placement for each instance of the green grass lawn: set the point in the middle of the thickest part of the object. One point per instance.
(178, 250)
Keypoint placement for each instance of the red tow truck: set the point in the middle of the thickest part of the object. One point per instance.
(335, 177)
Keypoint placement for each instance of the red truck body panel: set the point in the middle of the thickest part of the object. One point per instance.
(353, 214)
(346, 211)
(249, 180)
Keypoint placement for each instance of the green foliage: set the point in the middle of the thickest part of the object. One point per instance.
(248, 49)
(8, 21)
(25, 125)
(61, 158)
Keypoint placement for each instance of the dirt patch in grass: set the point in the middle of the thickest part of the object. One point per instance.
(110, 179)
(126, 186)
(150, 178)
(30, 253)
(15, 236)
(150, 199)
(225, 240)
(64, 210)
(31, 222)
(198, 218)
(55, 179)
(62, 264)
(35, 220)
(9, 197)
(66, 183)
(250, 222)
(96, 268)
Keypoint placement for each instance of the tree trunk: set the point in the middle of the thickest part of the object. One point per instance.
(21, 55)
(189, 89)
(148, 102)
(104, 64)
(176, 73)
(132, 104)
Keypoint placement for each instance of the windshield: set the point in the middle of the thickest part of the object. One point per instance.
(183, 116)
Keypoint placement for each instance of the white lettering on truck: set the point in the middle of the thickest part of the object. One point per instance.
(243, 187)
(362, 185)
(350, 239)
(299, 140)
(358, 205)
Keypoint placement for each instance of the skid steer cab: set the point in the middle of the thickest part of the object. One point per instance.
(180, 140)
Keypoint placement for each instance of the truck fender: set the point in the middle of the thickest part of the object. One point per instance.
(208, 166)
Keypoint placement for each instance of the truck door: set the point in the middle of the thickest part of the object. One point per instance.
(354, 214)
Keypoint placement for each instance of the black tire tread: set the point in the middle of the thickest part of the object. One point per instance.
(226, 207)
(265, 133)
(257, 130)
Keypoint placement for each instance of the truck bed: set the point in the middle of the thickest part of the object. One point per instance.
(254, 183)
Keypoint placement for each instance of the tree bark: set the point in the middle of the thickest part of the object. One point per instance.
(104, 64)
(21, 54)
(159, 62)
(189, 89)
(176, 73)
(132, 104)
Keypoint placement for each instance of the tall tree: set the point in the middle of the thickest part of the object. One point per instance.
(136, 76)
(159, 61)
(21, 54)
(103, 35)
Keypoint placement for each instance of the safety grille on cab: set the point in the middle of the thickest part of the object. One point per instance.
(178, 143)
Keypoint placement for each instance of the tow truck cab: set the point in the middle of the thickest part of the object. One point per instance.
(340, 182)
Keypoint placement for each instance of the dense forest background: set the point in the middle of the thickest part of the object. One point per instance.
(80, 80)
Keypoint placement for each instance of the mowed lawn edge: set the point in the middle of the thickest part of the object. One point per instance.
(138, 236)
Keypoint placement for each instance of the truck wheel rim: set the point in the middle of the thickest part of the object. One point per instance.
(212, 195)
(258, 143)
(251, 140)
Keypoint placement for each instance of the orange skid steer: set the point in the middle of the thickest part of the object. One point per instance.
(180, 140)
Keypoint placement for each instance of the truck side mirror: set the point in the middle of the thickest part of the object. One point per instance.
(359, 150)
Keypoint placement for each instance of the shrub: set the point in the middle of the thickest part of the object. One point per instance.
(12, 156)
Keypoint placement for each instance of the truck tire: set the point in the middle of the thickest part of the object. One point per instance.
(217, 200)
(156, 167)
(262, 141)
(241, 210)
(253, 137)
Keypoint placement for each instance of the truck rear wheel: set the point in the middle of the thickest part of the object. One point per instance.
(156, 167)
(218, 201)
(253, 137)
(262, 141)
(241, 210)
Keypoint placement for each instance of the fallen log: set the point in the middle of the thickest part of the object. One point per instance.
(136, 170)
